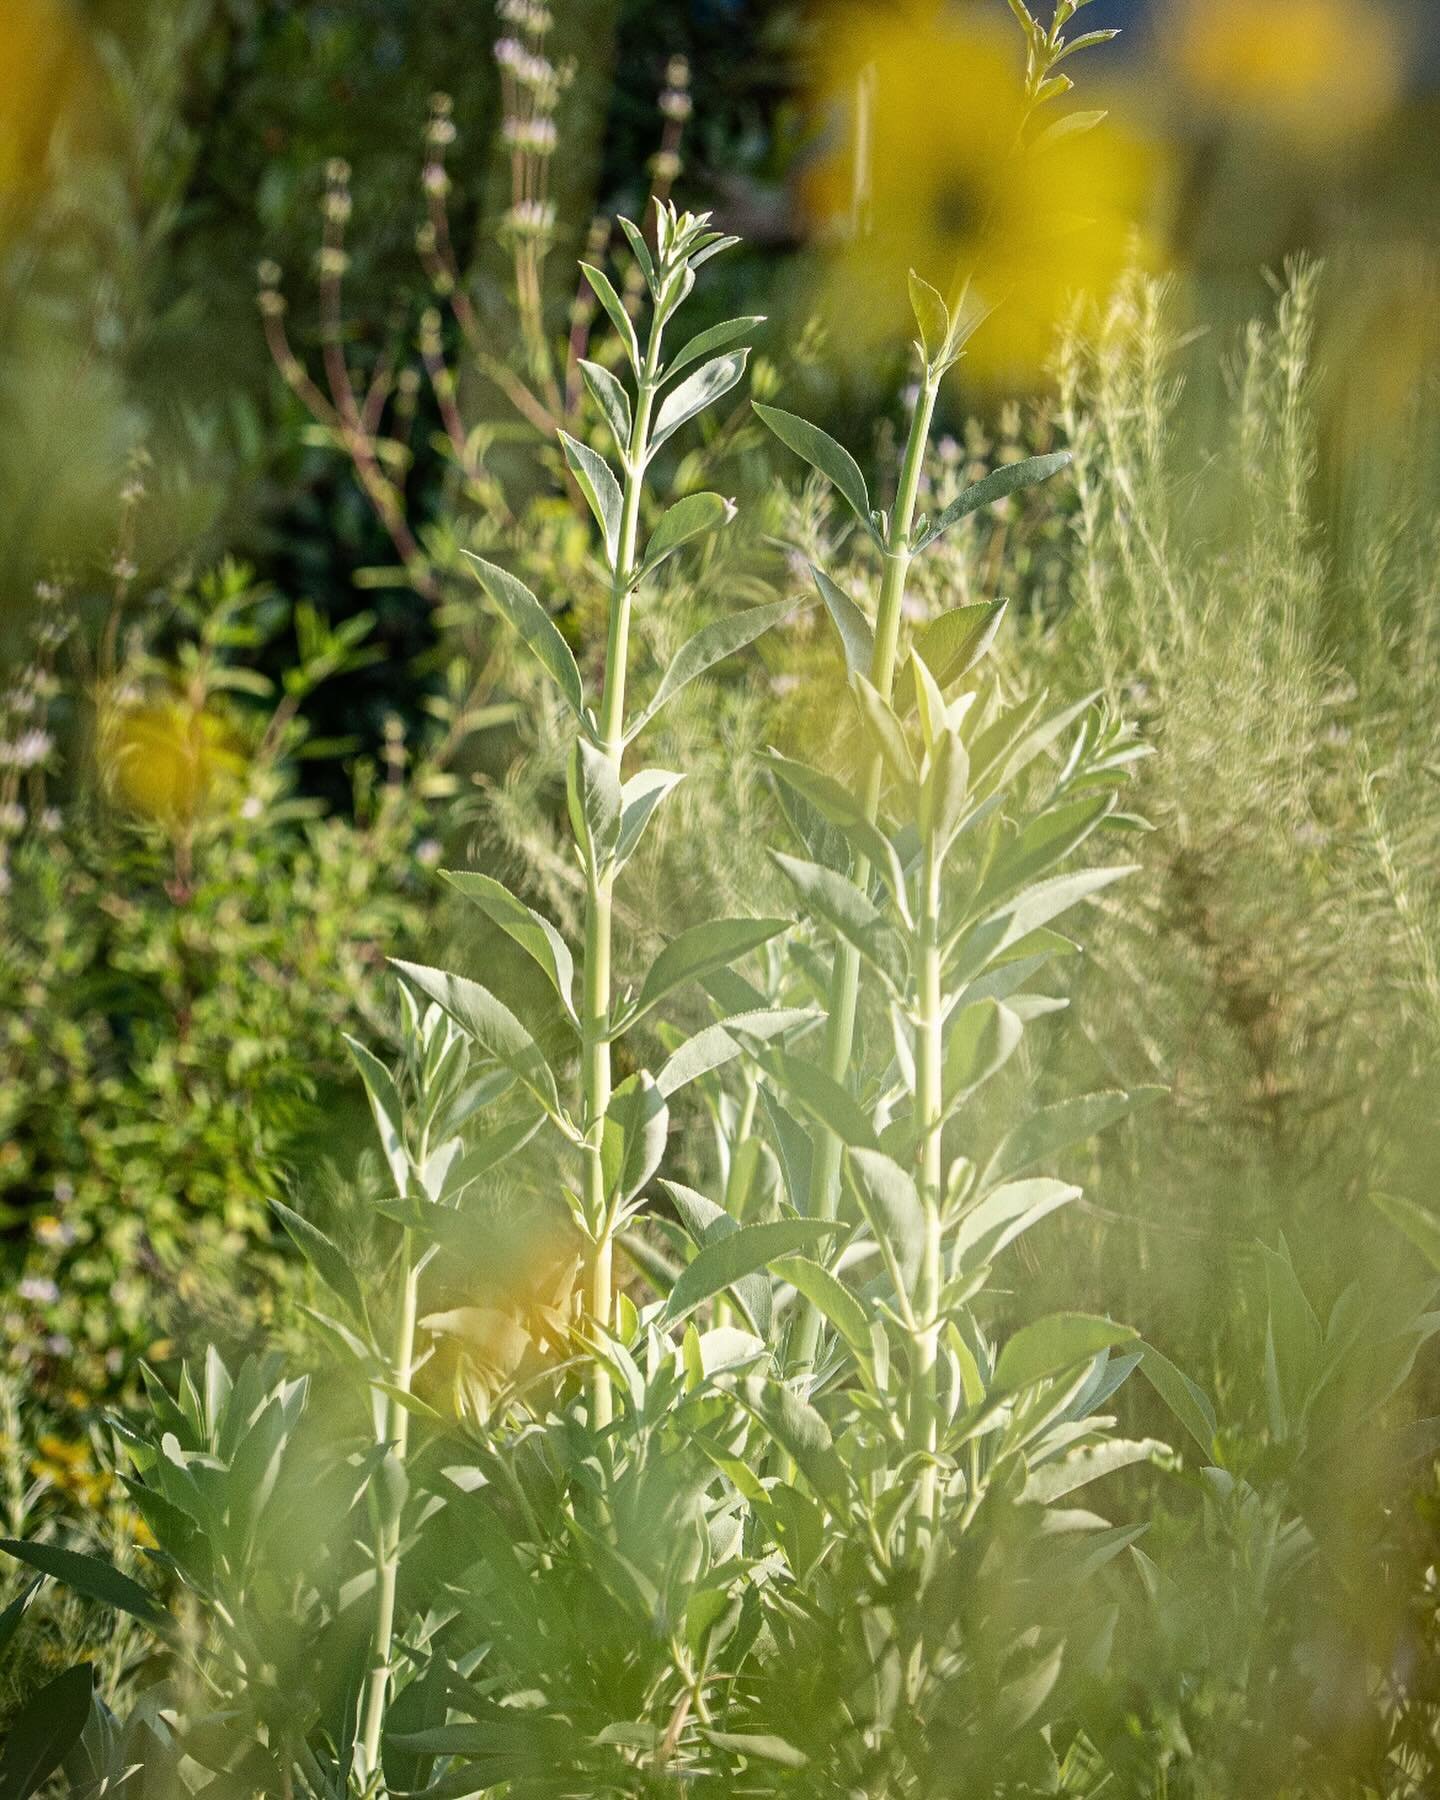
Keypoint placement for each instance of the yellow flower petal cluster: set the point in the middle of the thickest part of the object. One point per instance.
(924, 169)
(168, 760)
(1320, 71)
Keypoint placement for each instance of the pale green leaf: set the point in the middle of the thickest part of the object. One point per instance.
(891, 1204)
(856, 637)
(596, 481)
(709, 646)
(1009, 478)
(698, 952)
(493, 1026)
(687, 519)
(728, 1259)
(537, 628)
(703, 388)
(1051, 1345)
(535, 935)
(821, 451)
(615, 310)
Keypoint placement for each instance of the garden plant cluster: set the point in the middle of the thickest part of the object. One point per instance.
(761, 1121)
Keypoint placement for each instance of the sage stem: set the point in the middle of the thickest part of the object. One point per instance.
(599, 897)
(824, 1195)
(387, 1547)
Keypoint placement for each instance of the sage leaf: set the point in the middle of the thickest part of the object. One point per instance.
(535, 935)
(997, 485)
(728, 1259)
(890, 1202)
(640, 797)
(325, 1257)
(709, 646)
(1052, 1345)
(597, 482)
(689, 518)
(715, 338)
(492, 1025)
(857, 639)
(615, 311)
(614, 403)
(537, 628)
(699, 951)
(821, 451)
(703, 388)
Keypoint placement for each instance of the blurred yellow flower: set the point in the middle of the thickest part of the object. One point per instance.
(931, 176)
(169, 760)
(1319, 70)
(45, 67)
(66, 1466)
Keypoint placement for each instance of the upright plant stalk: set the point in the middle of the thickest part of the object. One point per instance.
(387, 1546)
(929, 1107)
(824, 1195)
(599, 897)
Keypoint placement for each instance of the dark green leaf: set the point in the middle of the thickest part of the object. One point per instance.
(45, 1731)
(92, 1577)
(15, 1612)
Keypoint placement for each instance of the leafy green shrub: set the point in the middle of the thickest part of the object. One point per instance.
(184, 938)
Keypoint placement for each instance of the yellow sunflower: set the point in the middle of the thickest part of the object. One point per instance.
(924, 168)
(1320, 71)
